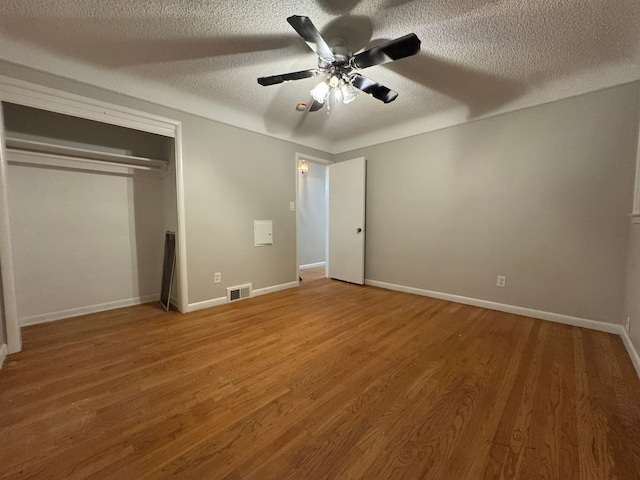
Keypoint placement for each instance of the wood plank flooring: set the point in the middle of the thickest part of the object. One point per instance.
(326, 381)
(312, 274)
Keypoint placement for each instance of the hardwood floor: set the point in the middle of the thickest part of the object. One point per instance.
(326, 381)
(312, 274)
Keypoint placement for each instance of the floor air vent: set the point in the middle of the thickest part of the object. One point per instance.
(238, 293)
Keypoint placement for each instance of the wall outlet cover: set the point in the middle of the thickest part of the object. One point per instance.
(501, 281)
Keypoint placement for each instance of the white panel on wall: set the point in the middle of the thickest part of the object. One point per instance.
(262, 232)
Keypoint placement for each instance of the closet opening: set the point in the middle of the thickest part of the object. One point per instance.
(89, 204)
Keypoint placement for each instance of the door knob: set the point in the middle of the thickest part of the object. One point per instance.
(358, 230)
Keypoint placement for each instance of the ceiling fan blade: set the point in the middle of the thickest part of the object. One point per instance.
(310, 34)
(393, 50)
(315, 106)
(374, 89)
(287, 77)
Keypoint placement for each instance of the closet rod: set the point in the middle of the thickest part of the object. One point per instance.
(81, 154)
(21, 157)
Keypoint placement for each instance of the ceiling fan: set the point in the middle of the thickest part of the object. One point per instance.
(338, 66)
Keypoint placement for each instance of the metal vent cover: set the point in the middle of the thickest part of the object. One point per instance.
(239, 292)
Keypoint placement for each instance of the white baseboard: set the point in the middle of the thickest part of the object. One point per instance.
(312, 265)
(633, 353)
(75, 312)
(4, 351)
(275, 288)
(527, 312)
(214, 302)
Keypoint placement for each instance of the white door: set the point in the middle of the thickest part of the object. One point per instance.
(346, 181)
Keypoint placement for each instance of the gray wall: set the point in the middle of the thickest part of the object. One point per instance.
(83, 239)
(632, 302)
(540, 195)
(231, 177)
(312, 215)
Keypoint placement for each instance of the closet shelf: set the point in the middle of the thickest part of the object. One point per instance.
(81, 154)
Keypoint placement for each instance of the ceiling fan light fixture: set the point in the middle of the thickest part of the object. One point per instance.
(320, 92)
(349, 93)
(337, 65)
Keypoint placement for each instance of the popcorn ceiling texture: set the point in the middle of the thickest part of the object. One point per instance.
(478, 57)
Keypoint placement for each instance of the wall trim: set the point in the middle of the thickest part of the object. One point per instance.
(311, 158)
(214, 302)
(4, 351)
(633, 353)
(312, 265)
(8, 286)
(275, 288)
(636, 190)
(183, 286)
(45, 98)
(75, 312)
(502, 307)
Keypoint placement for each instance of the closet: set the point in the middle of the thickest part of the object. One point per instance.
(89, 203)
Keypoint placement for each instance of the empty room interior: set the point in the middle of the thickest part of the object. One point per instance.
(320, 239)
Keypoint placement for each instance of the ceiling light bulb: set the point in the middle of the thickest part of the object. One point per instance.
(349, 93)
(337, 95)
(320, 92)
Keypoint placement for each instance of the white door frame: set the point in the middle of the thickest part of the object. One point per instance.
(14, 338)
(44, 98)
(326, 163)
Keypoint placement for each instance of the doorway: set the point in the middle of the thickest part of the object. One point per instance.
(311, 200)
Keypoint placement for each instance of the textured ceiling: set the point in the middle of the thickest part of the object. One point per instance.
(478, 57)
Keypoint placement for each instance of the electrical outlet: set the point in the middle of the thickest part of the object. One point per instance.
(217, 277)
(501, 281)
(628, 325)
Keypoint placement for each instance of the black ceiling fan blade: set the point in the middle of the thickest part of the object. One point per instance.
(374, 89)
(315, 106)
(310, 34)
(287, 77)
(393, 50)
